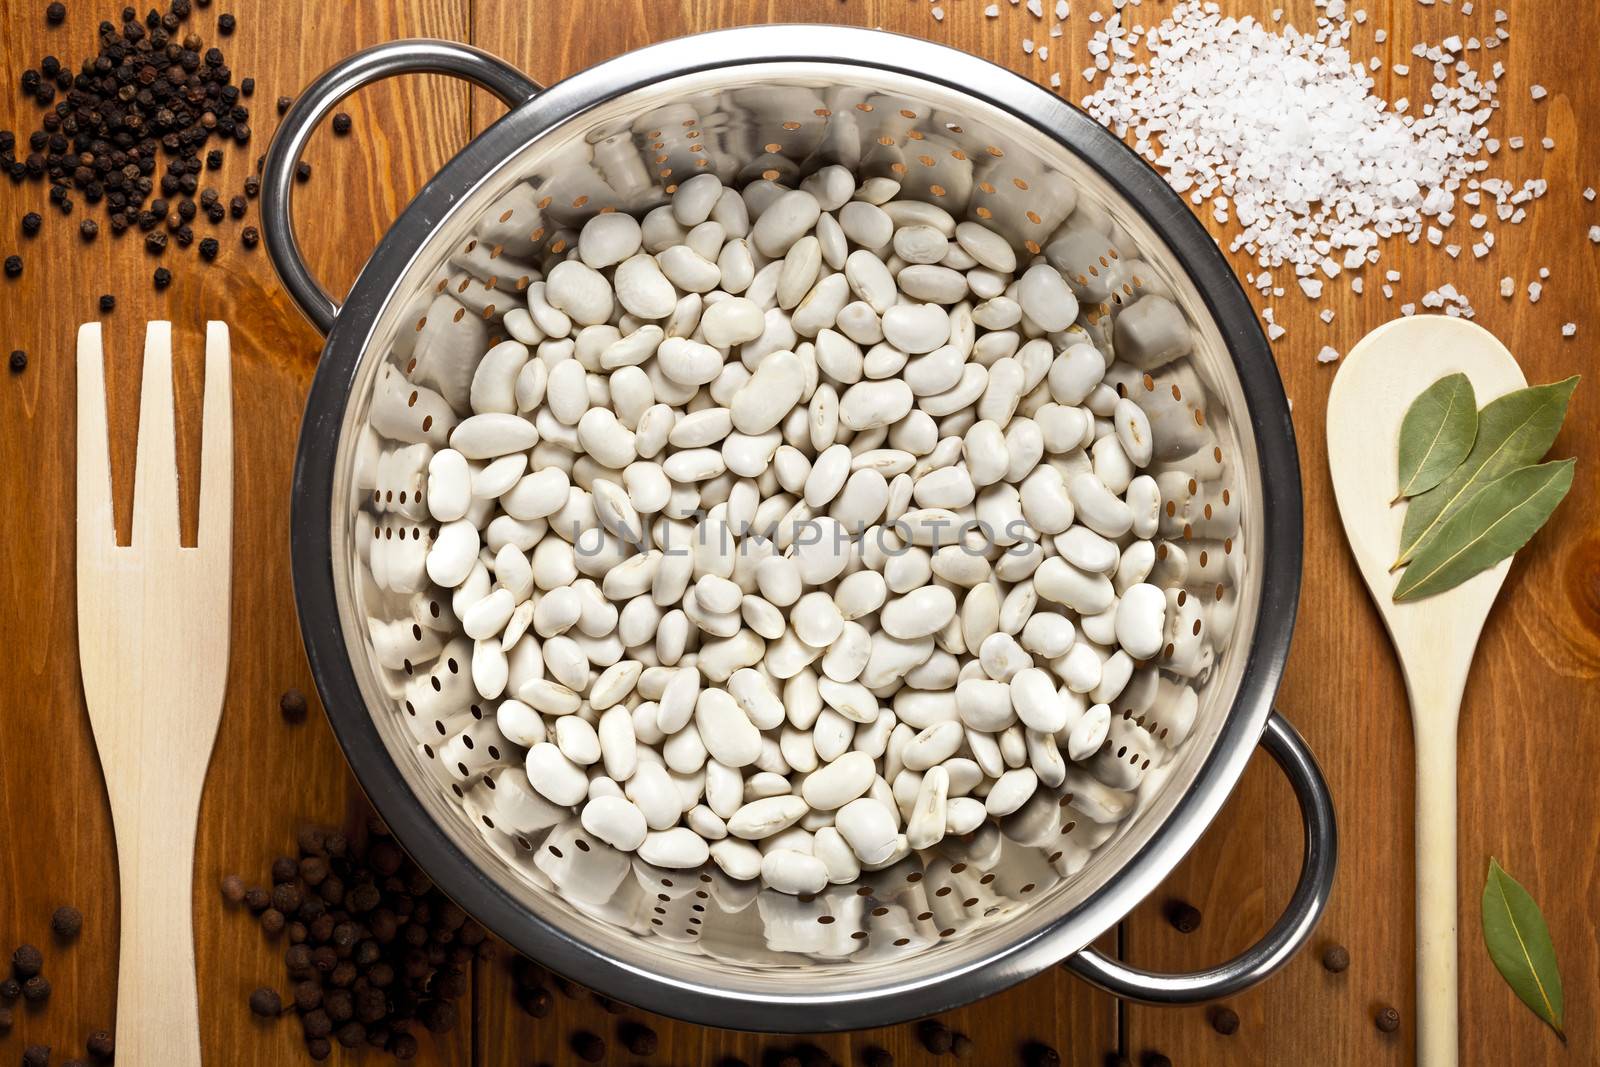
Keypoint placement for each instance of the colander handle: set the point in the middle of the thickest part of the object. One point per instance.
(418, 56)
(1287, 935)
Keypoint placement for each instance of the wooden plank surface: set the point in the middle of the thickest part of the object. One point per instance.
(1528, 731)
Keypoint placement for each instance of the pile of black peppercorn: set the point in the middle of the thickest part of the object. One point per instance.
(150, 100)
(373, 946)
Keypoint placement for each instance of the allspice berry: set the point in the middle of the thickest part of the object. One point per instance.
(27, 961)
(1224, 1020)
(935, 1036)
(67, 922)
(293, 706)
(961, 1046)
(36, 1056)
(5, 1018)
(873, 1056)
(1155, 1059)
(1336, 958)
(266, 1003)
(36, 990)
(1387, 1019)
(101, 1045)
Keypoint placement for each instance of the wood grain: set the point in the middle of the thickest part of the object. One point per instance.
(1528, 730)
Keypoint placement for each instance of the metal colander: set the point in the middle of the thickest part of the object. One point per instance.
(942, 926)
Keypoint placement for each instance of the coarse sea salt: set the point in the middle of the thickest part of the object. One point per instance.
(1316, 168)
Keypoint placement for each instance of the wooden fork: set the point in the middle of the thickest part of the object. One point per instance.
(153, 645)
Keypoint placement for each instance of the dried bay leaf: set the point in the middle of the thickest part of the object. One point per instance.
(1436, 434)
(1495, 523)
(1513, 431)
(1519, 944)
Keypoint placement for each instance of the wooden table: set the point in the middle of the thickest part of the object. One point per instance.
(1529, 728)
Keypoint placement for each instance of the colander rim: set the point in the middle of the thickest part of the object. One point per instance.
(1144, 192)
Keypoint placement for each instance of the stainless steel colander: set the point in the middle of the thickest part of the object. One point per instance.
(938, 928)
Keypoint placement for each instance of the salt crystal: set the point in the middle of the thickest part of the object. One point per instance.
(1548, 143)
(1401, 69)
(1328, 354)
(938, 14)
(1507, 286)
(1388, 292)
(1408, 309)
(1379, 36)
(1027, 45)
(1274, 331)
(1569, 329)
(1534, 289)
(1538, 92)
(1326, 315)
(1036, 9)
(1514, 142)
(1588, 193)
(1480, 250)
(992, 11)
(1312, 287)
(1061, 9)
(1055, 81)
(1594, 234)
(1544, 272)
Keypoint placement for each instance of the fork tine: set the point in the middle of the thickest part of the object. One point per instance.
(155, 472)
(96, 524)
(216, 444)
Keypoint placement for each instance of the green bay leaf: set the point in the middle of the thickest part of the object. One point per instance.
(1436, 434)
(1513, 431)
(1499, 520)
(1519, 944)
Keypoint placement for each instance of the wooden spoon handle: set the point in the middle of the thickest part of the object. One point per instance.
(158, 1011)
(1437, 981)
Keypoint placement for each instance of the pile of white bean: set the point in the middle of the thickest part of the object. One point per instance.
(792, 529)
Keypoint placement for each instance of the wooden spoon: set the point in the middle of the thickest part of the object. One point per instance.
(1435, 637)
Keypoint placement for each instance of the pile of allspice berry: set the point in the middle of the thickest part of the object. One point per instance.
(372, 948)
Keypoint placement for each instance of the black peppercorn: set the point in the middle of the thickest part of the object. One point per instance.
(935, 1036)
(341, 124)
(101, 1045)
(31, 223)
(13, 266)
(1224, 1020)
(56, 13)
(1155, 1059)
(266, 1003)
(108, 302)
(27, 961)
(36, 990)
(162, 277)
(302, 171)
(226, 24)
(250, 237)
(589, 1046)
(214, 159)
(247, 87)
(88, 229)
(1184, 917)
(36, 1056)
(639, 1039)
(18, 363)
(67, 921)
(155, 242)
(1336, 958)
(283, 104)
(237, 207)
(1038, 1054)
(208, 248)
(252, 186)
(215, 212)
(1387, 1019)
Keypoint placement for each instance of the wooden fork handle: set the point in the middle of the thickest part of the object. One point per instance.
(158, 1010)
